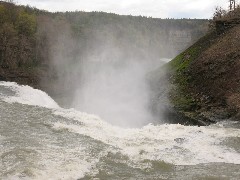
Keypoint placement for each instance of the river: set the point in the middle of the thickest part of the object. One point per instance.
(40, 140)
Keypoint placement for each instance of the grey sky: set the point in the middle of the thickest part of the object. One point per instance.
(154, 8)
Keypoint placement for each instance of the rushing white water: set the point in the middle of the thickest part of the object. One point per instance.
(28, 95)
(68, 144)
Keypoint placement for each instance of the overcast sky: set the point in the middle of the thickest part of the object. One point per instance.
(153, 8)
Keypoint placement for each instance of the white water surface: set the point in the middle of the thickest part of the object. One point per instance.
(174, 144)
(28, 95)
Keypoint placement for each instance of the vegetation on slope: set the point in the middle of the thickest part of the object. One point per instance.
(17, 36)
(206, 75)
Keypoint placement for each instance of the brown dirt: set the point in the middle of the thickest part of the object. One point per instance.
(216, 75)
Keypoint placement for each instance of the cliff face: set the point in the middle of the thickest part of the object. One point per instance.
(205, 79)
(180, 40)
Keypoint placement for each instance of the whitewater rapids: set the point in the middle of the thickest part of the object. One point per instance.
(40, 140)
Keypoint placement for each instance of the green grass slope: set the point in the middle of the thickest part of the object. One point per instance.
(205, 78)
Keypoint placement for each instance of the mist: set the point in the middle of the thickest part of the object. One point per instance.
(118, 93)
(103, 84)
(101, 64)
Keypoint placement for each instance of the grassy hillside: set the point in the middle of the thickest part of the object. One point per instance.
(206, 77)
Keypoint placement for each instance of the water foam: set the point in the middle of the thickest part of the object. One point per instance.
(27, 95)
(175, 144)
